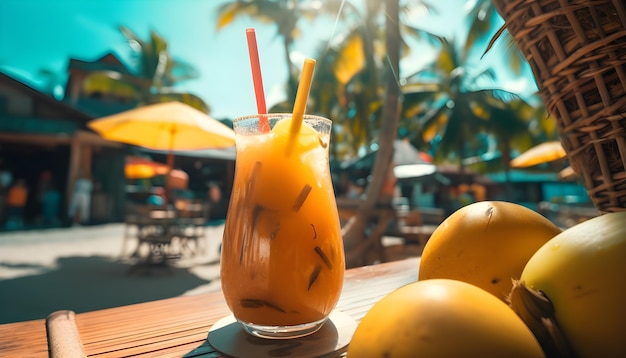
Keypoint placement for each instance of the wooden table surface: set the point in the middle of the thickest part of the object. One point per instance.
(178, 327)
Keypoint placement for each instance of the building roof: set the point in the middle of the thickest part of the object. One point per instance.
(68, 111)
(525, 176)
(107, 61)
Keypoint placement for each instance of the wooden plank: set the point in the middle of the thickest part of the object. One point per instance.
(24, 339)
(120, 331)
(178, 327)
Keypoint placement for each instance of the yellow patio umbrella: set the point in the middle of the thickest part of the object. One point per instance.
(542, 153)
(167, 126)
(143, 168)
(567, 173)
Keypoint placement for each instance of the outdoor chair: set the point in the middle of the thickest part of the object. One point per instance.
(153, 228)
(190, 226)
(417, 225)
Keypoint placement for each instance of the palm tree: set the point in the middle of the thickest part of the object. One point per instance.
(347, 85)
(347, 77)
(347, 88)
(357, 243)
(51, 82)
(156, 73)
(286, 15)
(483, 18)
(449, 105)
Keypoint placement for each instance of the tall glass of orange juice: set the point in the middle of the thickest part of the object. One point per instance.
(282, 263)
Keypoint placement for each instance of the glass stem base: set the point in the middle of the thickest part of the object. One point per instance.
(283, 332)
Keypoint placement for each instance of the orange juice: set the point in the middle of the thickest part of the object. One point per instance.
(282, 259)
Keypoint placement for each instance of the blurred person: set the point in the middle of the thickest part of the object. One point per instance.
(15, 204)
(218, 204)
(6, 179)
(43, 185)
(80, 203)
(215, 193)
(176, 182)
(50, 205)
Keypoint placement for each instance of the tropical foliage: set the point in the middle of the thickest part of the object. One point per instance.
(350, 83)
(153, 77)
(455, 109)
(286, 15)
(361, 240)
(348, 77)
(482, 18)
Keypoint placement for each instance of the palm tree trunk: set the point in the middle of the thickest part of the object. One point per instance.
(506, 156)
(356, 242)
(292, 79)
(371, 68)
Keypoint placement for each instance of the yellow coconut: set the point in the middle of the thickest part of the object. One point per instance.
(581, 272)
(486, 244)
(442, 318)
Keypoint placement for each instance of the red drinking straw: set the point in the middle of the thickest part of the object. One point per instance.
(253, 50)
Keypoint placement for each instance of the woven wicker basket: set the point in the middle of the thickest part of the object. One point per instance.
(577, 52)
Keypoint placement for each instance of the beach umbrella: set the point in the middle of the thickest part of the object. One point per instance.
(170, 126)
(404, 153)
(143, 168)
(405, 171)
(411, 164)
(539, 154)
(567, 173)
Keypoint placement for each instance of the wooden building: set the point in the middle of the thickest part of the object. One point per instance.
(39, 134)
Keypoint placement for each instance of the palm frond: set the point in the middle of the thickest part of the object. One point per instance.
(227, 13)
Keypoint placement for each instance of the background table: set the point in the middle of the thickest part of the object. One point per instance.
(178, 327)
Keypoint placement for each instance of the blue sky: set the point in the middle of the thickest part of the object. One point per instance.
(40, 35)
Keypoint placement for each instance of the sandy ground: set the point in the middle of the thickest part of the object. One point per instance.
(82, 269)
(88, 268)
